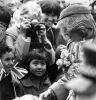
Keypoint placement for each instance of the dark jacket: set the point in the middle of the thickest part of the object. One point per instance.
(55, 37)
(31, 85)
(6, 89)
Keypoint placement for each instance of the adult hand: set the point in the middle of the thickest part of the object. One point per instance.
(45, 95)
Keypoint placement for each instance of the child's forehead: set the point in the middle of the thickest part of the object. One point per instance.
(37, 60)
(8, 55)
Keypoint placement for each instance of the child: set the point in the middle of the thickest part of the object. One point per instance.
(9, 74)
(6, 63)
(37, 80)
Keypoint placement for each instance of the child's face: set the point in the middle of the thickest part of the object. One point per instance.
(49, 20)
(37, 67)
(7, 61)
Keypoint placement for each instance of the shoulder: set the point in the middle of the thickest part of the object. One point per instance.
(12, 31)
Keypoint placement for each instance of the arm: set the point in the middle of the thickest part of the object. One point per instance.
(11, 36)
(9, 42)
(57, 89)
(47, 44)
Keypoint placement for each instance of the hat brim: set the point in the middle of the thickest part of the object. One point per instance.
(79, 84)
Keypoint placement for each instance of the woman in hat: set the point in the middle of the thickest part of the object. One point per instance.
(77, 28)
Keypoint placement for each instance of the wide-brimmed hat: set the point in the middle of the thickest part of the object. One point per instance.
(77, 19)
(74, 9)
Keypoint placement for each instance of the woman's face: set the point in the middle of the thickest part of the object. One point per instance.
(37, 67)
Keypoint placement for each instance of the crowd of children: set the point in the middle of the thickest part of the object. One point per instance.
(47, 50)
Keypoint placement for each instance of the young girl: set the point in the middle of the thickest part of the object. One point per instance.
(37, 80)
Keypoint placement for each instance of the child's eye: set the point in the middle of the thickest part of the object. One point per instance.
(43, 63)
(35, 63)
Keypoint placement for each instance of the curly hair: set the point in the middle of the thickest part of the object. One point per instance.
(40, 54)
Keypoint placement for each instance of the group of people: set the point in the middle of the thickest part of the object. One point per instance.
(47, 52)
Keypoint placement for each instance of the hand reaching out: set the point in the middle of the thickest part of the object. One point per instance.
(45, 95)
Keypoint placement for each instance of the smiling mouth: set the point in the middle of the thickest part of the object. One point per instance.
(39, 71)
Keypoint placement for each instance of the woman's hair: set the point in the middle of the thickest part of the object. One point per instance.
(24, 9)
(40, 54)
(84, 23)
(32, 7)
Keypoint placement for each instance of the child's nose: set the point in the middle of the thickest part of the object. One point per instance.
(11, 62)
(39, 66)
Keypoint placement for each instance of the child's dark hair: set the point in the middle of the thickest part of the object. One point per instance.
(40, 54)
(50, 7)
(4, 15)
(3, 49)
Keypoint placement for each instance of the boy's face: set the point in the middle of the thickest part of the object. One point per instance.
(7, 61)
(37, 67)
(49, 20)
(62, 3)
